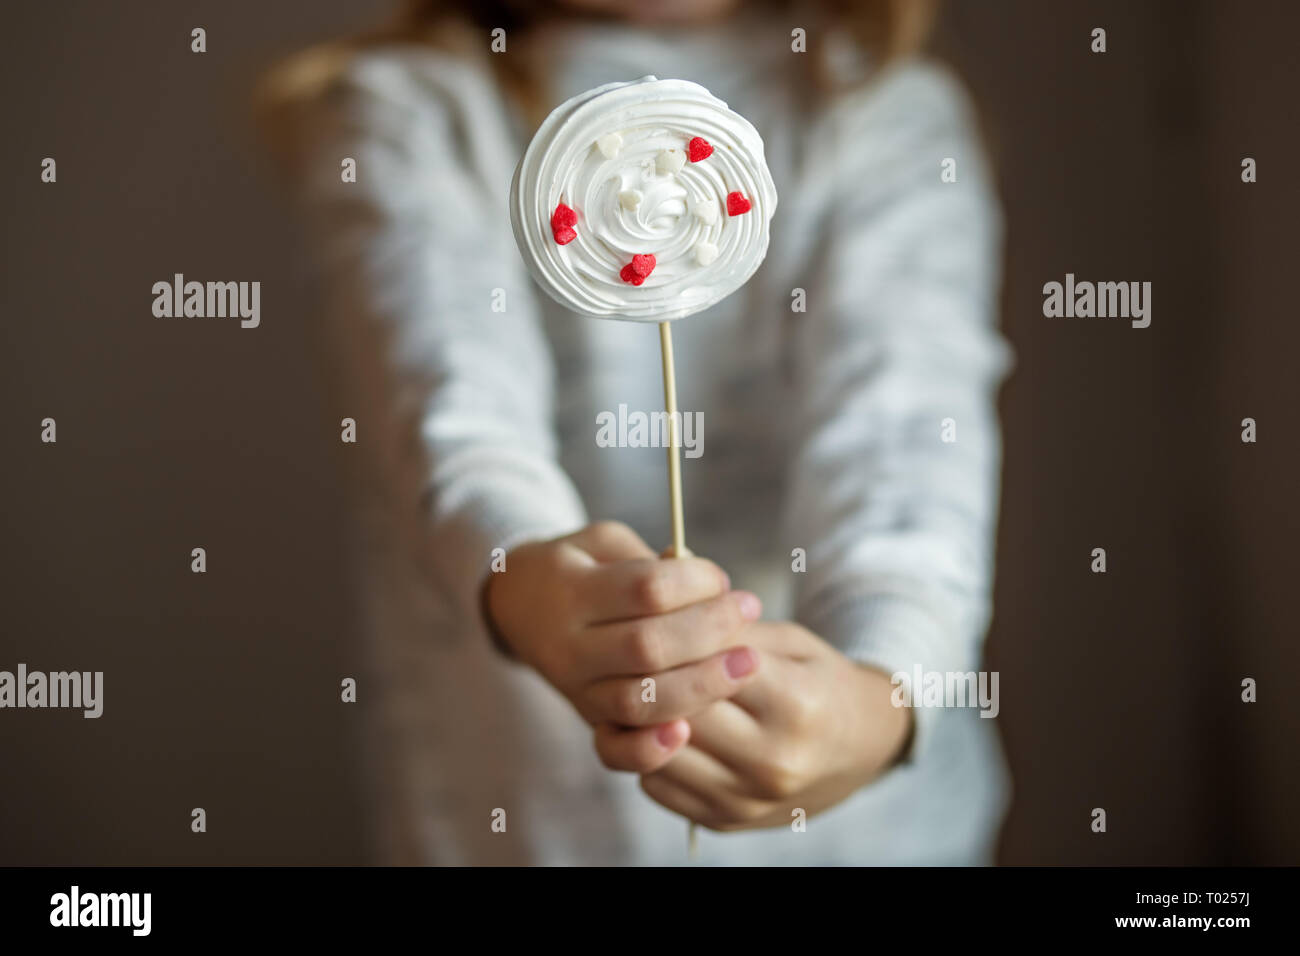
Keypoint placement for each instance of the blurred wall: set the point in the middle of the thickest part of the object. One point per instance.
(1119, 690)
(222, 689)
(1122, 690)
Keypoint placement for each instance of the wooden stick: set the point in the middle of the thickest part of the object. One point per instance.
(679, 549)
(674, 441)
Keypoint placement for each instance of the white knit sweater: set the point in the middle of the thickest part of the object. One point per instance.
(823, 432)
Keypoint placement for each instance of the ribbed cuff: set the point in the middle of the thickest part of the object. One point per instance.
(465, 542)
(896, 635)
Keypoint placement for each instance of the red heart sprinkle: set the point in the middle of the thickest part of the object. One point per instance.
(643, 265)
(564, 235)
(698, 149)
(563, 217)
(627, 275)
(737, 204)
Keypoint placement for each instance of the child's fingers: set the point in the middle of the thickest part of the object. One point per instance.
(678, 799)
(611, 541)
(639, 702)
(624, 590)
(730, 735)
(661, 642)
(731, 798)
(640, 749)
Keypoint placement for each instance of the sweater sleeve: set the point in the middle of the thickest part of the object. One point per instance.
(419, 253)
(894, 483)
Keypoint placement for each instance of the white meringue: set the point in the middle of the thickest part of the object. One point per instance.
(700, 257)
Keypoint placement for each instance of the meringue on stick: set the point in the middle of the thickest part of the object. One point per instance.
(644, 201)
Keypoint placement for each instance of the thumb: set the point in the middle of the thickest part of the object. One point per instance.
(609, 541)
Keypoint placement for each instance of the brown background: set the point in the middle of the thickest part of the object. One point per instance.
(1118, 691)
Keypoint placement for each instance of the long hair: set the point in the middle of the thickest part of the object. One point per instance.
(883, 29)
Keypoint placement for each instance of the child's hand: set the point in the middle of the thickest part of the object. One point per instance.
(812, 728)
(597, 612)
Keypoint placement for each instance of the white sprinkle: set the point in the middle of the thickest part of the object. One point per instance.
(630, 198)
(670, 161)
(609, 145)
(705, 252)
(706, 211)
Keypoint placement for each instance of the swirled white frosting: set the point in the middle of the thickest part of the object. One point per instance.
(702, 254)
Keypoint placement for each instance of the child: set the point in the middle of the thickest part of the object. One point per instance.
(847, 535)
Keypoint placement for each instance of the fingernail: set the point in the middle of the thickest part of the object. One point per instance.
(740, 662)
(726, 580)
(751, 608)
(671, 734)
